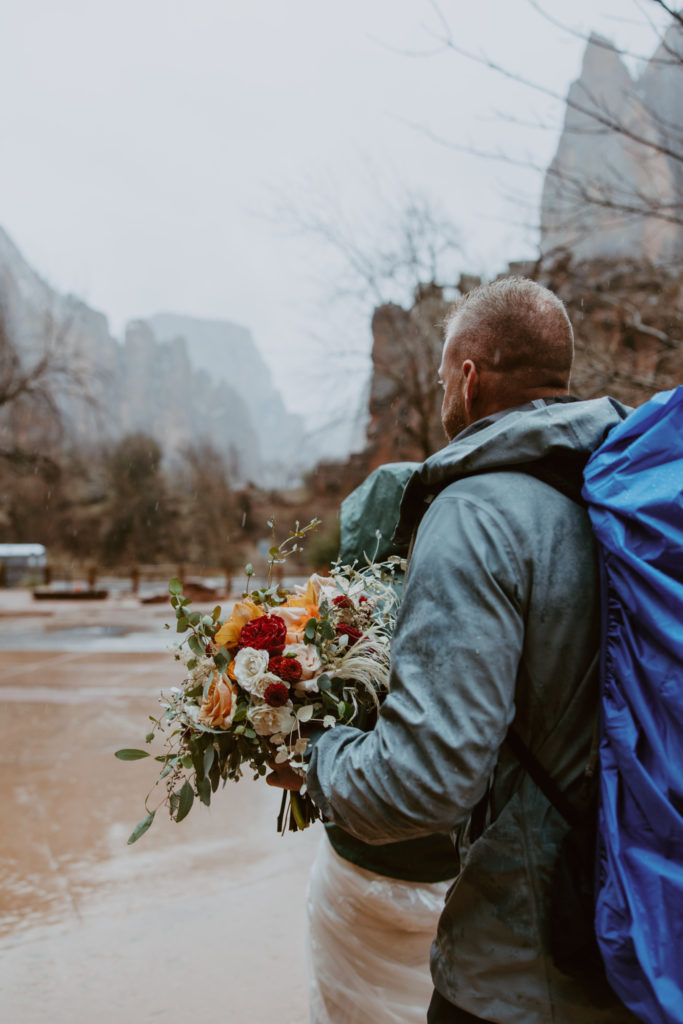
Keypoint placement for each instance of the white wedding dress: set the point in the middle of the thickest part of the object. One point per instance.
(369, 939)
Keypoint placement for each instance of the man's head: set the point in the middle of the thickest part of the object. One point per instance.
(506, 344)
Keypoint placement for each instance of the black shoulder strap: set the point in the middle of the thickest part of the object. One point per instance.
(545, 783)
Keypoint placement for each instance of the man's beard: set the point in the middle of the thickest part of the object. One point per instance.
(453, 419)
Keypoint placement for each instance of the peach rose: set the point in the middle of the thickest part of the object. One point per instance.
(218, 709)
(307, 656)
(296, 619)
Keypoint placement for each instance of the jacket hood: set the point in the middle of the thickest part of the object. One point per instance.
(562, 432)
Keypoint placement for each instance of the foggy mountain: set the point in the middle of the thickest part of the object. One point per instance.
(176, 377)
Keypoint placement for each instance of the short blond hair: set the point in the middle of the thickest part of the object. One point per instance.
(516, 327)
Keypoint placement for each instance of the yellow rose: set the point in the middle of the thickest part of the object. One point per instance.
(308, 596)
(242, 613)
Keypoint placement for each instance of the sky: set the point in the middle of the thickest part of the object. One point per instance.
(162, 154)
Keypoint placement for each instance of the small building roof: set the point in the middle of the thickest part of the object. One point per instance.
(22, 550)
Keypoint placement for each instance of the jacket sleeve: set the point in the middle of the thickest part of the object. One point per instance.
(455, 656)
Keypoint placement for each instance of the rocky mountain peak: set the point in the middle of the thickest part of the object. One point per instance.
(619, 159)
(181, 379)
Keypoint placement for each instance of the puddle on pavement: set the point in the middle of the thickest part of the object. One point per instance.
(91, 928)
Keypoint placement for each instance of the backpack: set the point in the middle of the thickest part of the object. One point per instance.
(633, 486)
(616, 911)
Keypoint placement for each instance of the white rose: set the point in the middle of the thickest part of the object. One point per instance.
(308, 657)
(203, 671)
(267, 720)
(261, 685)
(250, 666)
(324, 587)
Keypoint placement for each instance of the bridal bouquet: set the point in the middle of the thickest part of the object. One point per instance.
(259, 679)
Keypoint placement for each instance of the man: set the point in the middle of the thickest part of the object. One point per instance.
(499, 624)
(373, 910)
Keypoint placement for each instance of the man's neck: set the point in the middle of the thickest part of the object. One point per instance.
(527, 406)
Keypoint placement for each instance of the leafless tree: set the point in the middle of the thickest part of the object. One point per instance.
(36, 374)
(636, 178)
(393, 269)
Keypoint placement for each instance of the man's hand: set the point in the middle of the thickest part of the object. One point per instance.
(283, 777)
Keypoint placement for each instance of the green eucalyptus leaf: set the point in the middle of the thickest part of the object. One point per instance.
(327, 631)
(196, 646)
(186, 760)
(175, 586)
(185, 801)
(331, 702)
(204, 791)
(209, 755)
(129, 754)
(310, 629)
(324, 683)
(215, 614)
(141, 828)
(194, 618)
(182, 624)
(221, 662)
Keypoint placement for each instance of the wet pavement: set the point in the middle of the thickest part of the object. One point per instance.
(198, 922)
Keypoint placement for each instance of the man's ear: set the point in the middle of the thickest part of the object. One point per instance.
(470, 385)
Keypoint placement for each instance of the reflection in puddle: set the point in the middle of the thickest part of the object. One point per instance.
(76, 631)
(70, 695)
(92, 929)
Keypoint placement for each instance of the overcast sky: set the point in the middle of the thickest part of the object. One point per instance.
(147, 145)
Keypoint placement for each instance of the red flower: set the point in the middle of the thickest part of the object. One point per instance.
(276, 695)
(363, 599)
(342, 601)
(268, 633)
(288, 669)
(353, 634)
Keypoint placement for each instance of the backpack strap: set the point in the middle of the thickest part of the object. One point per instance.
(545, 783)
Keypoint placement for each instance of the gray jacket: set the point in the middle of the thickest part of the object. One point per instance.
(499, 623)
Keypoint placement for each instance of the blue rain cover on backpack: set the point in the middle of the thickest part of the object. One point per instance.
(633, 486)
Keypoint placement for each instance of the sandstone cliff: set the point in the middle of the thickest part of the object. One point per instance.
(614, 189)
(628, 326)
